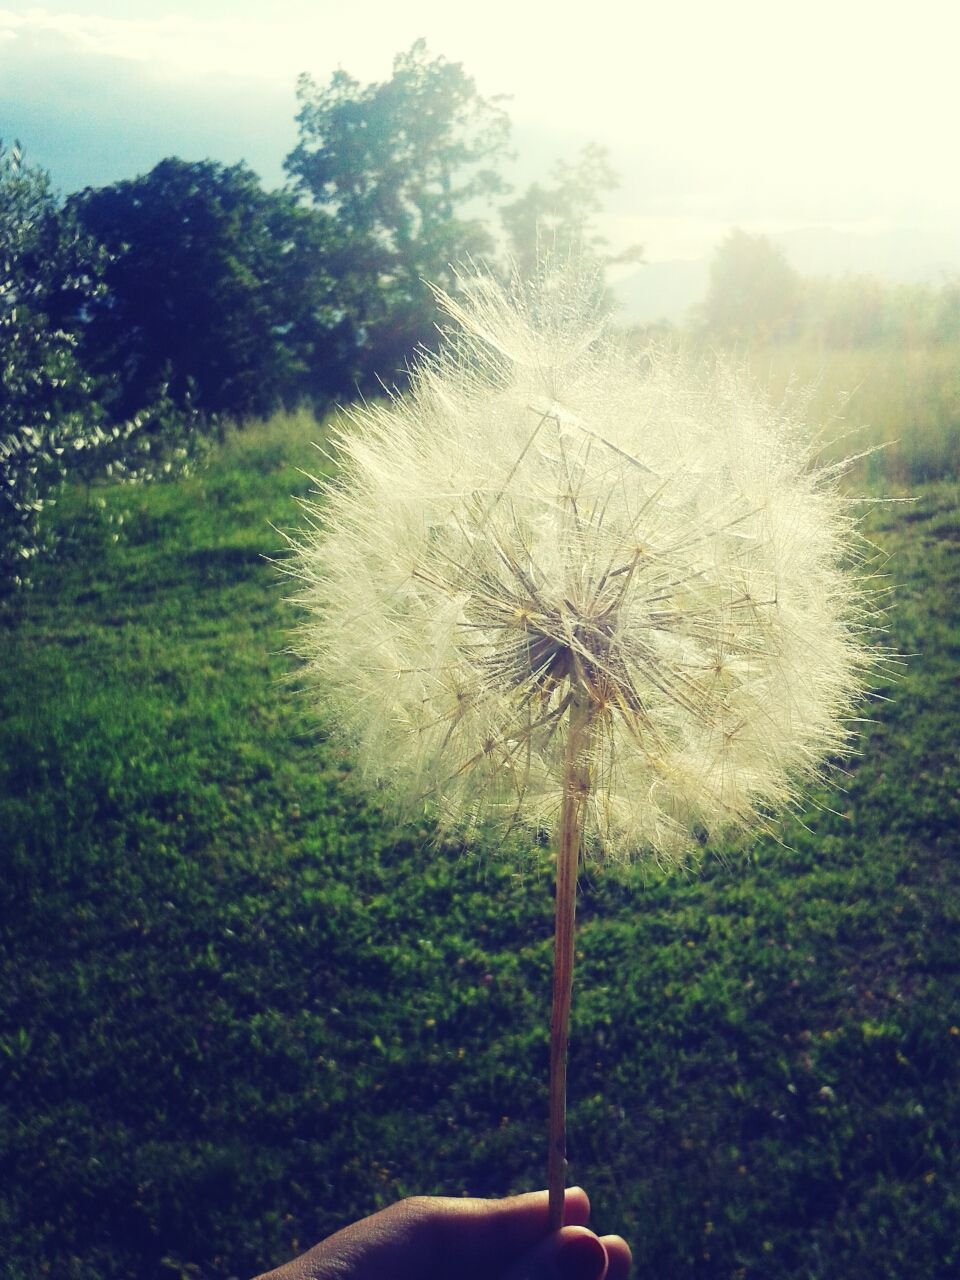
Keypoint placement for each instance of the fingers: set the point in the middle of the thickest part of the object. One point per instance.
(492, 1233)
(618, 1257)
(576, 1207)
(573, 1253)
(428, 1237)
(493, 1236)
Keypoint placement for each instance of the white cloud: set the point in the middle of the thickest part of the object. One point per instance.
(171, 46)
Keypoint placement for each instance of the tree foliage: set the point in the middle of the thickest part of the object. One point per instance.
(753, 290)
(52, 421)
(401, 165)
(214, 292)
(857, 312)
(561, 217)
(48, 269)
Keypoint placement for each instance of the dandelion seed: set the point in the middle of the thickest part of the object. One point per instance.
(608, 600)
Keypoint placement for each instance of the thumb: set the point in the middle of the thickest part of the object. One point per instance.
(573, 1253)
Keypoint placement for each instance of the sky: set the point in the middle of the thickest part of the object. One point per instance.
(790, 118)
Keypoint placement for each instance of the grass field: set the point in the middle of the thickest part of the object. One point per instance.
(904, 400)
(239, 1008)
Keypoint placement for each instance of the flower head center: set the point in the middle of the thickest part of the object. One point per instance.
(560, 644)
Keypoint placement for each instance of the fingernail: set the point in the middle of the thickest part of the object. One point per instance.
(582, 1258)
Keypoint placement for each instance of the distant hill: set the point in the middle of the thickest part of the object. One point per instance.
(900, 255)
(662, 291)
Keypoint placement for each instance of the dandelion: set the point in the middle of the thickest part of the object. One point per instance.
(608, 599)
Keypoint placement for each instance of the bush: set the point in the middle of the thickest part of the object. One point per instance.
(52, 422)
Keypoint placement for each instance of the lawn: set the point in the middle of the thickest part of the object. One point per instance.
(241, 1007)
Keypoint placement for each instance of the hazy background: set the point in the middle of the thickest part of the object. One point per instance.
(829, 127)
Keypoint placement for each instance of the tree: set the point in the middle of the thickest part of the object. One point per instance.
(52, 422)
(48, 410)
(48, 270)
(852, 311)
(398, 164)
(560, 218)
(946, 322)
(753, 290)
(217, 293)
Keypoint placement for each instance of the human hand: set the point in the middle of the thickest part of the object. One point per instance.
(436, 1238)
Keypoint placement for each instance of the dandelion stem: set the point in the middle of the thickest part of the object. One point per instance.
(575, 791)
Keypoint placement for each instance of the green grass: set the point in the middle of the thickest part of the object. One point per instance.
(904, 400)
(239, 1008)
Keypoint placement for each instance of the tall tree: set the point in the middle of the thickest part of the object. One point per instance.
(216, 290)
(561, 218)
(400, 165)
(753, 290)
(48, 269)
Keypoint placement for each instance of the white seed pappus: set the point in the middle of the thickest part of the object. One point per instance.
(544, 517)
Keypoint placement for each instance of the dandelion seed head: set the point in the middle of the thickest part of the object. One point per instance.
(543, 520)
